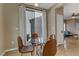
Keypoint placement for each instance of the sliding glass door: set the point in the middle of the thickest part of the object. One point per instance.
(32, 21)
(39, 25)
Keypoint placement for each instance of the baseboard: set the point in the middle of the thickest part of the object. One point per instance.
(59, 44)
(8, 51)
(2, 53)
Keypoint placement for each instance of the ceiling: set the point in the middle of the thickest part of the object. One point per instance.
(43, 5)
(70, 8)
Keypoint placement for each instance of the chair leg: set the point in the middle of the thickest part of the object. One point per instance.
(31, 53)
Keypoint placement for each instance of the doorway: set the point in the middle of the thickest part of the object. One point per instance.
(71, 25)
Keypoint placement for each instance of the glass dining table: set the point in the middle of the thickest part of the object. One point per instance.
(38, 46)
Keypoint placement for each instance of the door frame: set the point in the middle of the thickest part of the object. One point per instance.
(56, 12)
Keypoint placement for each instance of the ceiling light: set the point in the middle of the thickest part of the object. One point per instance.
(36, 4)
(73, 17)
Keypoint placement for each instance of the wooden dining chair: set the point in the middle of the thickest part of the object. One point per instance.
(22, 48)
(50, 47)
(34, 38)
(34, 35)
(34, 41)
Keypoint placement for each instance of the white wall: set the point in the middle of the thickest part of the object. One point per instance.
(10, 25)
(1, 29)
(51, 21)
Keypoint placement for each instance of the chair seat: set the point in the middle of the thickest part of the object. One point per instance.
(26, 49)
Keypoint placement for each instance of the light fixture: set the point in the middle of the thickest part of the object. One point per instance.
(35, 4)
(73, 17)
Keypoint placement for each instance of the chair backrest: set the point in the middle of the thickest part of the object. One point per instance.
(34, 35)
(20, 43)
(50, 47)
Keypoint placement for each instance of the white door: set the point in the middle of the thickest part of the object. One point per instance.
(60, 29)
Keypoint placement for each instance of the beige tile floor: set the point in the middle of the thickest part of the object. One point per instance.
(72, 49)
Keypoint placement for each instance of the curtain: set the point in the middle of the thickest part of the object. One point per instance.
(44, 27)
(22, 20)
